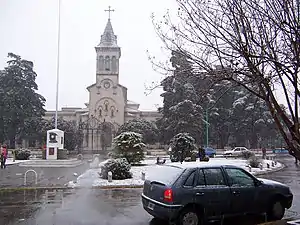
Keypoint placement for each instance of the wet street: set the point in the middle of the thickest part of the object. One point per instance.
(107, 207)
(290, 176)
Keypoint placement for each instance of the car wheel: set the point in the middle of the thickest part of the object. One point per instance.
(276, 211)
(190, 216)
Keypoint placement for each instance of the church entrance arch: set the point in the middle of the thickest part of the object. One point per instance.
(107, 134)
(98, 136)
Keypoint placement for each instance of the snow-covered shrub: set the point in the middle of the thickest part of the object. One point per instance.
(111, 155)
(79, 157)
(182, 145)
(205, 159)
(254, 162)
(247, 154)
(194, 156)
(22, 154)
(120, 169)
(147, 129)
(129, 145)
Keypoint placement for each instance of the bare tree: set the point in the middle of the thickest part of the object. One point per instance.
(256, 43)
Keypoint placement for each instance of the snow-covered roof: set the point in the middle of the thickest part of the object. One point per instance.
(82, 110)
(131, 110)
(130, 114)
(70, 109)
(132, 103)
(221, 162)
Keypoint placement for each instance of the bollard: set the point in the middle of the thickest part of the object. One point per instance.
(250, 168)
(268, 165)
(143, 175)
(261, 166)
(14, 155)
(273, 164)
(109, 176)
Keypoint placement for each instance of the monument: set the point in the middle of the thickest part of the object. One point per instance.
(55, 141)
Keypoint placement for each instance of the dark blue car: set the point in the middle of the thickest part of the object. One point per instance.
(191, 193)
(280, 151)
(210, 152)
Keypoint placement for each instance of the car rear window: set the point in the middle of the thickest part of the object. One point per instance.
(164, 174)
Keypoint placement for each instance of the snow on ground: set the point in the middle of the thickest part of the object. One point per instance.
(10, 161)
(91, 177)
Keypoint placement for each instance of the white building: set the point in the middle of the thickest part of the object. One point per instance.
(108, 106)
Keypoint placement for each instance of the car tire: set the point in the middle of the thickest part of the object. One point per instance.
(276, 211)
(190, 216)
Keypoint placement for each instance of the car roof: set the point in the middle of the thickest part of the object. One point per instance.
(190, 165)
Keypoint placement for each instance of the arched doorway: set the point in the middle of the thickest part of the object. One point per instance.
(106, 136)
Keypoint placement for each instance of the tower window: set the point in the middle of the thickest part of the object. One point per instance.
(101, 63)
(114, 63)
(107, 63)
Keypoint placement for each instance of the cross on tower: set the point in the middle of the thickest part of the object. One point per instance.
(109, 10)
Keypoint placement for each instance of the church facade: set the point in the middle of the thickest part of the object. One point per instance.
(108, 106)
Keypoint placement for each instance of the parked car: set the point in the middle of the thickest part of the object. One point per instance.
(237, 151)
(186, 192)
(210, 152)
(280, 151)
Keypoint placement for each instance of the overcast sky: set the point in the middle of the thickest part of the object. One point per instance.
(29, 29)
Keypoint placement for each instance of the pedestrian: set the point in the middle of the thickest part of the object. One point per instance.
(3, 156)
(201, 153)
(264, 152)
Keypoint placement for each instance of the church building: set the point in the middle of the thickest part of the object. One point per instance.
(108, 106)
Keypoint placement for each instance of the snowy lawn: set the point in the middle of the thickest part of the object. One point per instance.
(91, 177)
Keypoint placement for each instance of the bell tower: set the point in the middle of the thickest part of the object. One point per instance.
(108, 54)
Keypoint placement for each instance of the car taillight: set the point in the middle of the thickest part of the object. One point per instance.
(168, 195)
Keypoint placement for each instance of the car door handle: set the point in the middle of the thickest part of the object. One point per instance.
(235, 192)
(200, 193)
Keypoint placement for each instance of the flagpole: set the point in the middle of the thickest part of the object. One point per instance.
(57, 65)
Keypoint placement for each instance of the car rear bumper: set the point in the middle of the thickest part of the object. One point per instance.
(161, 210)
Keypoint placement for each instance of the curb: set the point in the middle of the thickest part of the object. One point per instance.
(270, 171)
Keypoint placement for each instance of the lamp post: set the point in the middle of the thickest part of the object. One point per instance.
(206, 126)
(57, 64)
